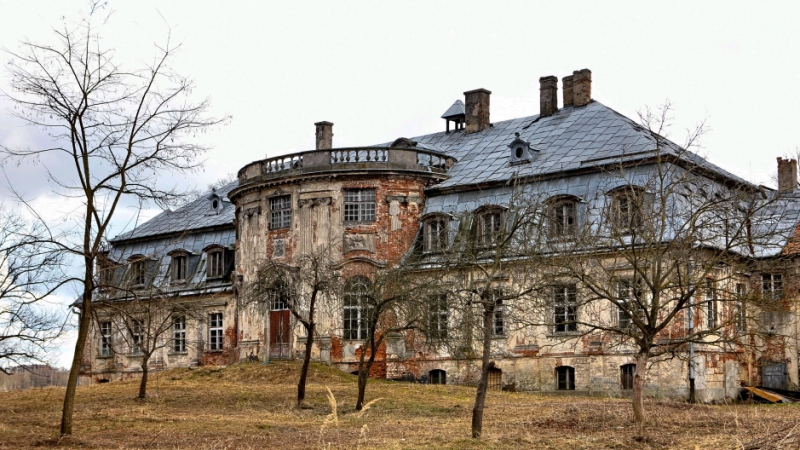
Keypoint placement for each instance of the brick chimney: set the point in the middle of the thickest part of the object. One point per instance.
(477, 110)
(787, 174)
(324, 135)
(568, 94)
(581, 87)
(548, 96)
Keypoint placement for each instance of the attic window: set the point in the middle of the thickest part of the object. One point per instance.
(216, 201)
(521, 151)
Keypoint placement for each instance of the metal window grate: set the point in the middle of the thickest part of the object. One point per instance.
(359, 205)
(280, 212)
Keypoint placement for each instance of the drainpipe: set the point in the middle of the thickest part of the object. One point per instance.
(692, 398)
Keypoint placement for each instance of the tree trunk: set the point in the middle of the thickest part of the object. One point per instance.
(363, 374)
(638, 393)
(301, 385)
(72, 383)
(145, 371)
(483, 383)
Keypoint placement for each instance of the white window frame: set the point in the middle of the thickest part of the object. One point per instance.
(137, 337)
(280, 212)
(215, 262)
(215, 331)
(106, 337)
(565, 305)
(359, 205)
(435, 235)
(179, 334)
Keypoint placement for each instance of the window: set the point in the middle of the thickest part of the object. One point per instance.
(137, 272)
(498, 313)
(627, 208)
(437, 328)
(741, 317)
(105, 339)
(435, 235)
(490, 227)
(564, 304)
(359, 205)
(215, 331)
(563, 219)
(437, 376)
(280, 210)
(357, 308)
(627, 372)
(278, 297)
(771, 285)
(179, 334)
(137, 337)
(216, 263)
(629, 295)
(565, 378)
(105, 268)
(179, 268)
(711, 304)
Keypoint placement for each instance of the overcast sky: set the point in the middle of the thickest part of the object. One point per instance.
(382, 70)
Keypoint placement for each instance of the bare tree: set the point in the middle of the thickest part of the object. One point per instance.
(118, 129)
(491, 275)
(658, 267)
(30, 270)
(309, 289)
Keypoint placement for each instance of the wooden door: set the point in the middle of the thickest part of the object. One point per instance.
(495, 379)
(279, 334)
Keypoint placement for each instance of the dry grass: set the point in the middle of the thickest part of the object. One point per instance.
(251, 406)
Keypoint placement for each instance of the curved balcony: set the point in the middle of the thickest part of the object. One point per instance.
(348, 160)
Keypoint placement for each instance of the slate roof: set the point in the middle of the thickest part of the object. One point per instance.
(572, 138)
(192, 216)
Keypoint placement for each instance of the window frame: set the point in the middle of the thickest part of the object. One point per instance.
(215, 269)
(438, 317)
(772, 286)
(568, 373)
(441, 241)
(627, 208)
(359, 205)
(106, 339)
(559, 220)
(356, 308)
(138, 271)
(634, 288)
(215, 331)
(280, 212)
(741, 313)
(710, 303)
(498, 325)
(178, 260)
(565, 298)
(495, 218)
(179, 334)
(137, 337)
(630, 367)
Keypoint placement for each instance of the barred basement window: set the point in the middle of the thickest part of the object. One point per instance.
(280, 209)
(179, 334)
(215, 331)
(105, 339)
(627, 372)
(216, 263)
(564, 301)
(359, 205)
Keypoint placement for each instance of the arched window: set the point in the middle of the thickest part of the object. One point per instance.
(626, 373)
(437, 376)
(357, 307)
(565, 378)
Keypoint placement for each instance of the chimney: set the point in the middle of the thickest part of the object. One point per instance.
(324, 135)
(548, 96)
(787, 174)
(567, 85)
(477, 110)
(581, 87)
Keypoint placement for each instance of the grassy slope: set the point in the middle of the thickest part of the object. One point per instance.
(251, 406)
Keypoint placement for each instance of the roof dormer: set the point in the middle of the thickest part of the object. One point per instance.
(215, 202)
(521, 151)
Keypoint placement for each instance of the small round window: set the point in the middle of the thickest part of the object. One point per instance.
(519, 152)
(215, 204)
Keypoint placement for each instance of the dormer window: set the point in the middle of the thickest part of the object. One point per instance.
(216, 262)
(137, 271)
(521, 151)
(491, 222)
(215, 201)
(179, 267)
(435, 234)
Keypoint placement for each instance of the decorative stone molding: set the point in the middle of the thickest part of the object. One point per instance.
(403, 199)
(278, 248)
(311, 202)
(359, 241)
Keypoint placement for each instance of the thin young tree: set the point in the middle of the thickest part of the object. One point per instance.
(117, 130)
(309, 289)
(30, 271)
(656, 264)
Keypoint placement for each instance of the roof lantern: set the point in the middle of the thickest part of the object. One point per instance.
(457, 114)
